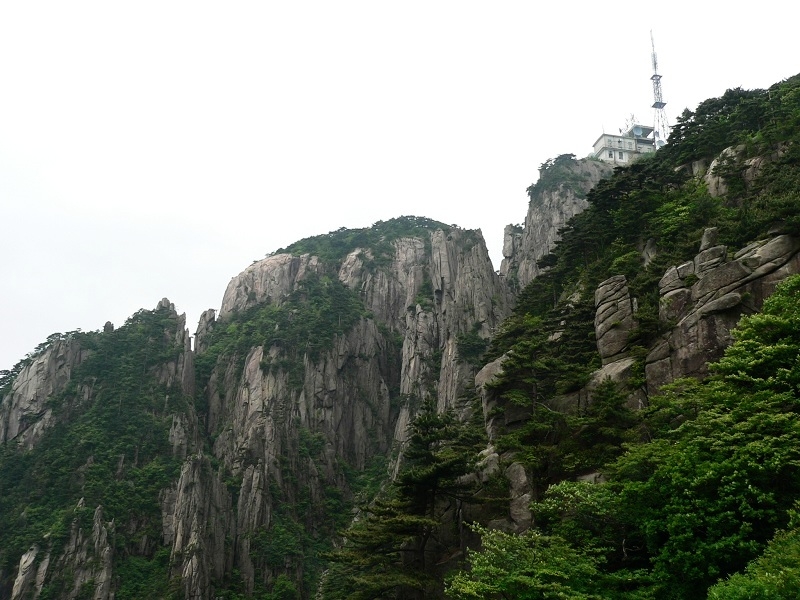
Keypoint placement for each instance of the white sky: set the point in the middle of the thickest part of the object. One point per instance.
(152, 149)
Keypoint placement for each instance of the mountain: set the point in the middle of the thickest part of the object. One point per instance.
(234, 465)
(363, 396)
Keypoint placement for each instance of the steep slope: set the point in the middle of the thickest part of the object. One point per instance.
(230, 469)
(646, 286)
(558, 195)
(133, 466)
(318, 362)
(106, 419)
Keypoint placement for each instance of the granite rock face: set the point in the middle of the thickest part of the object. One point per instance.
(24, 411)
(197, 519)
(83, 563)
(87, 556)
(705, 298)
(355, 399)
(551, 206)
(614, 318)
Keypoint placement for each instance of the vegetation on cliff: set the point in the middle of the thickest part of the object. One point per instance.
(694, 500)
(377, 239)
(702, 479)
(110, 448)
(702, 486)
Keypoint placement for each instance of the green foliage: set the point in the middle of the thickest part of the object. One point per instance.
(281, 545)
(111, 448)
(560, 172)
(656, 200)
(724, 471)
(593, 519)
(696, 503)
(390, 548)
(140, 577)
(775, 575)
(471, 346)
(305, 324)
(528, 566)
(554, 445)
(337, 244)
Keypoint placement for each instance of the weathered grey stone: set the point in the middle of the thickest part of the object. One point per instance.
(670, 281)
(24, 411)
(87, 558)
(344, 396)
(725, 292)
(771, 254)
(726, 302)
(618, 371)
(24, 583)
(512, 238)
(202, 336)
(488, 400)
(674, 305)
(710, 238)
(614, 318)
(271, 278)
(197, 518)
(658, 373)
(649, 251)
(716, 184)
(732, 273)
(548, 213)
(709, 259)
(686, 269)
(660, 351)
(699, 167)
(521, 495)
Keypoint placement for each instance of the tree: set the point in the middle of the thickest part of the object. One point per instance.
(389, 548)
(775, 575)
(712, 491)
(528, 566)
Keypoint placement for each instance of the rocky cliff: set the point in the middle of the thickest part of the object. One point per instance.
(303, 389)
(25, 413)
(291, 427)
(699, 302)
(93, 426)
(558, 195)
(134, 465)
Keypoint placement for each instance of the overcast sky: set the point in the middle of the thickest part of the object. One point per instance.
(156, 149)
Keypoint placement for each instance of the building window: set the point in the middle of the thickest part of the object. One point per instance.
(630, 145)
(620, 155)
(610, 154)
(619, 143)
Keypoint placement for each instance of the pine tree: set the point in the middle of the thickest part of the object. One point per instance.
(389, 549)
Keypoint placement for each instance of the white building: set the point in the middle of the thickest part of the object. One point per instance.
(627, 146)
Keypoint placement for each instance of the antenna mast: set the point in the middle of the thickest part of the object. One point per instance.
(660, 124)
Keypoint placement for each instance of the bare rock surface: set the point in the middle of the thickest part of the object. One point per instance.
(24, 411)
(548, 212)
(614, 318)
(706, 298)
(356, 398)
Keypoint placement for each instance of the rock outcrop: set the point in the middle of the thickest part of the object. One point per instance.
(355, 400)
(54, 389)
(559, 195)
(197, 519)
(705, 298)
(87, 557)
(614, 318)
(25, 413)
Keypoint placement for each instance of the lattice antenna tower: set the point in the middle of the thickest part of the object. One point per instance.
(660, 123)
